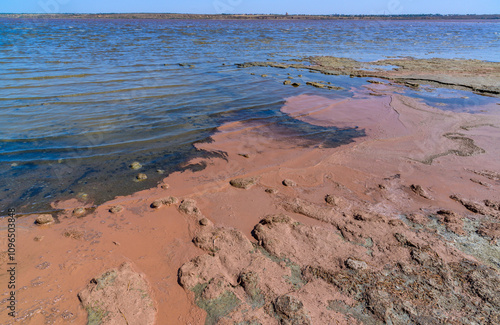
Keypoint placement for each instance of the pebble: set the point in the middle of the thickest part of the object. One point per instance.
(44, 219)
(157, 204)
(116, 209)
(289, 182)
(135, 165)
(78, 211)
(141, 176)
(170, 200)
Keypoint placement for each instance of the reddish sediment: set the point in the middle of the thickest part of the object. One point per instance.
(270, 252)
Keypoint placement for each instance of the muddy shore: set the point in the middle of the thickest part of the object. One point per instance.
(472, 75)
(400, 226)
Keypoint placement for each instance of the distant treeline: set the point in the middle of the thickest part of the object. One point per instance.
(250, 16)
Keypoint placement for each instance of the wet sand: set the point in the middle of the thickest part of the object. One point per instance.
(406, 199)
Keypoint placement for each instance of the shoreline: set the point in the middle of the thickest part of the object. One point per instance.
(376, 200)
(255, 16)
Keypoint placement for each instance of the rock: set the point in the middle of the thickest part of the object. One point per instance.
(290, 77)
(156, 204)
(484, 282)
(448, 216)
(73, 234)
(471, 206)
(492, 204)
(417, 189)
(160, 171)
(245, 155)
(291, 310)
(271, 190)
(116, 209)
(334, 200)
(164, 186)
(171, 200)
(204, 222)
(250, 282)
(300, 76)
(79, 212)
(287, 82)
(418, 218)
(215, 288)
(295, 84)
(379, 302)
(263, 75)
(244, 183)
(44, 219)
(355, 264)
(82, 196)
(141, 176)
(119, 296)
(315, 84)
(401, 238)
(289, 183)
(477, 181)
(135, 165)
(38, 238)
(490, 230)
(188, 206)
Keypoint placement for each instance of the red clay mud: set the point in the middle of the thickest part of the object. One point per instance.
(338, 247)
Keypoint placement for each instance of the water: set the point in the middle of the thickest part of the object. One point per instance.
(82, 99)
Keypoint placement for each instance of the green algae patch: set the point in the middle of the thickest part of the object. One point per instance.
(216, 308)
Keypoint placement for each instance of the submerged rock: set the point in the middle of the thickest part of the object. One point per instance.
(135, 165)
(315, 84)
(141, 176)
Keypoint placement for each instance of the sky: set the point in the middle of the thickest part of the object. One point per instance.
(254, 6)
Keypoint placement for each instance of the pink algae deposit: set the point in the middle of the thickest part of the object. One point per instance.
(397, 227)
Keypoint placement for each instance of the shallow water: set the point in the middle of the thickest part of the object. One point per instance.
(82, 99)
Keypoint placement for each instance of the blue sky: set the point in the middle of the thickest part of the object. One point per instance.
(254, 6)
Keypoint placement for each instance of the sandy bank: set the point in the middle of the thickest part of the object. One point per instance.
(385, 228)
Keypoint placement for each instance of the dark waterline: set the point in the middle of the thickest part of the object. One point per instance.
(82, 99)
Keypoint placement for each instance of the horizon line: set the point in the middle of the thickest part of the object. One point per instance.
(245, 14)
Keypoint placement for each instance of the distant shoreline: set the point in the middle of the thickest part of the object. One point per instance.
(252, 16)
